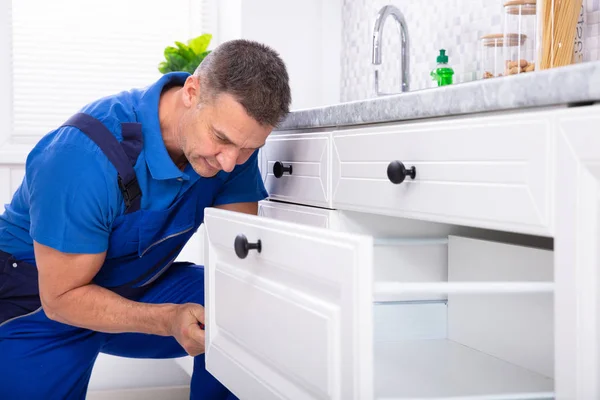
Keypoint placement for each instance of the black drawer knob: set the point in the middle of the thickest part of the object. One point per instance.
(279, 169)
(242, 247)
(397, 172)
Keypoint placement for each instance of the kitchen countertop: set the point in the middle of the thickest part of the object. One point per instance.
(564, 85)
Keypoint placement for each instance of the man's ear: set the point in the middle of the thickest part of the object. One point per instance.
(191, 91)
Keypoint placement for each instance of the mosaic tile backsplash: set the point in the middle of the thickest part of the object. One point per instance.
(454, 25)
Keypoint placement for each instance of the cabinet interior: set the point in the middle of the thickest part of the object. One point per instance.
(457, 317)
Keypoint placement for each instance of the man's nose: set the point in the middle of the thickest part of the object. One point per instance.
(227, 159)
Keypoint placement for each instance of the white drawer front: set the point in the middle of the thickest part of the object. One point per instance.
(489, 172)
(293, 321)
(308, 157)
(293, 213)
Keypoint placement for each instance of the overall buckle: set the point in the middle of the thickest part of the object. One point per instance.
(131, 190)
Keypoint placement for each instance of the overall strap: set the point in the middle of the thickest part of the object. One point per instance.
(122, 155)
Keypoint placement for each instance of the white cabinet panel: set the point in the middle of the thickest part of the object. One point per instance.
(446, 370)
(517, 327)
(412, 261)
(577, 260)
(294, 318)
(491, 172)
(306, 178)
(312, 216)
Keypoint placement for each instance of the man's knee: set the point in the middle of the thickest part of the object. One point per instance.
(41, 366)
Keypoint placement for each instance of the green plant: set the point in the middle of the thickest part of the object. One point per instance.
(185, 57)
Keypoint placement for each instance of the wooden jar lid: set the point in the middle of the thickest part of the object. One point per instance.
(497, 39)
(520, 7)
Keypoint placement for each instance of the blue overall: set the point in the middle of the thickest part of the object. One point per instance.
(45, 359)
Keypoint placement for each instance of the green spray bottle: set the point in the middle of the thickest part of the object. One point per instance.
(443, 73)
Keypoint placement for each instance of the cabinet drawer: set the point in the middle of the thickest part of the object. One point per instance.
(293, 321)
(487, 172)
(312, 216)
(296, 168)
(296, 320)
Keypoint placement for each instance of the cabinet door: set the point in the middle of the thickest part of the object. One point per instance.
(490, 172)
(293, 320)
(295, 168)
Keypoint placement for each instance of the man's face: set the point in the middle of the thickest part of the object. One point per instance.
(219, 134)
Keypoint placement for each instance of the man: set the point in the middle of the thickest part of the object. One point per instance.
(108, 201)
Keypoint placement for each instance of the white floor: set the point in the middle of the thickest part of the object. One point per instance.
(163, 393)
(116, 373)
(144, 379)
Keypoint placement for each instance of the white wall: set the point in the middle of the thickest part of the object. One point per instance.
(306, 33)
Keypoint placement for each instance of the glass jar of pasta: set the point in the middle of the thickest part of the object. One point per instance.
(560, 33)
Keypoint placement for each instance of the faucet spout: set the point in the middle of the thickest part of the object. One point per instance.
(382, 16)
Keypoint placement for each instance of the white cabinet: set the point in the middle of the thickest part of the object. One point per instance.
(295, 168)
(577, 259)
(492, 172)
(375, 290)
(302, 318)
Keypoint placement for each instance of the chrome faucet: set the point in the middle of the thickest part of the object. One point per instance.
(385, 12)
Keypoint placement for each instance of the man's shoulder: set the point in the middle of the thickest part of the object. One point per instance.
(110, 110)
(64, 161)
(67, 145)
(114, 110)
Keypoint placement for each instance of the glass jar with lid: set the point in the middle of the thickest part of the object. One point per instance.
(491, 56)
(520, 34)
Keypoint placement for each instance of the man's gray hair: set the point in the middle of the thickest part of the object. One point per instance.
(253, 74)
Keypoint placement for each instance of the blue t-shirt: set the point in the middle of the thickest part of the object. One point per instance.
(69, 196)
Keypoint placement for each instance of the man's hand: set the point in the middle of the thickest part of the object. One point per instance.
(186, 328)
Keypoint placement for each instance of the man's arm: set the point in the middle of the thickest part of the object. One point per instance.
(70, 228)
(68, 296)
(248, 208)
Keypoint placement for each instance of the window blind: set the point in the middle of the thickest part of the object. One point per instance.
(66, 53)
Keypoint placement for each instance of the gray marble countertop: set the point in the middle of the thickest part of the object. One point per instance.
(564, 85)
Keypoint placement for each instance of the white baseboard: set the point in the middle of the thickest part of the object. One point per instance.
(162, 393)
(186, 363)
